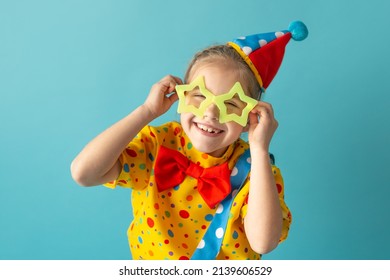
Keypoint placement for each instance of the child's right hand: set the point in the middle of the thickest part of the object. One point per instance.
(98, 162)
(162, 95)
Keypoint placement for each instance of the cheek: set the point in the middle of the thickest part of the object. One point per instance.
(235, 129)
(184, 117)
(185, 120)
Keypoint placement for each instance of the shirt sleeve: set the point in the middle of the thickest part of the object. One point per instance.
(137, 161)
(287, 218)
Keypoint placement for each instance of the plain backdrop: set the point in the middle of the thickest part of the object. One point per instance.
(69, 69)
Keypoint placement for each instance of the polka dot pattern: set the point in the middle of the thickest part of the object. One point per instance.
(234, 171)
(211, 242)
(173, 223)
(219, 232)
(250, 43)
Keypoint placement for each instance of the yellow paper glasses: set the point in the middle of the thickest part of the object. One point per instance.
(233, 106)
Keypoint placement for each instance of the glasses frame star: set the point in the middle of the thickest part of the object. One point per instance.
(218, 100)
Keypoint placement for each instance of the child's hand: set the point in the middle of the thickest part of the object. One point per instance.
(162, 95)
(262, 126)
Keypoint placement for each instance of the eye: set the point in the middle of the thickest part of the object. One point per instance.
(232, 104)
(196, 95)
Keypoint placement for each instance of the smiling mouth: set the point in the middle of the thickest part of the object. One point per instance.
(208, 129)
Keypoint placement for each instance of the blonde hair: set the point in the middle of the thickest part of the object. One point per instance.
(226, 54)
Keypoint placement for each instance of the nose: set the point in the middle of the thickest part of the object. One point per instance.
(211, 112)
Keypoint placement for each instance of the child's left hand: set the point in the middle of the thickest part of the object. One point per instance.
(262, 126)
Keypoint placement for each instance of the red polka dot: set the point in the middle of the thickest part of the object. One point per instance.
(166, 241)
(189, 198)
(279, 187)
(203, 227)
(185, 246)
(151, 134)
(183, 258)
(186, 235)
(184, 214)
(131, 152)
(176, 131)
(182, 141)
(237, 245)
(150, 222)
(156, 206)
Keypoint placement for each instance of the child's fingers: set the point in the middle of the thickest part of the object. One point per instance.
(173, 97)
(264, 110)
(264, 114)
(267, 106)
(177, 80)
(169, 83)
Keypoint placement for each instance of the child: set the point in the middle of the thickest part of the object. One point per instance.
(180, 172)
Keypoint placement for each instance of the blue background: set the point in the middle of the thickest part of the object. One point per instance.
(69, 69)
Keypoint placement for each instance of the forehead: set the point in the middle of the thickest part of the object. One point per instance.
(219, 77)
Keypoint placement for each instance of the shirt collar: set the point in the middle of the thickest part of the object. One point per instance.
(205, 160)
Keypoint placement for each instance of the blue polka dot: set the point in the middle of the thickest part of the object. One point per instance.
(235, 235)
(170, 233)
(140, 239)
(126, 167)
(208, 217)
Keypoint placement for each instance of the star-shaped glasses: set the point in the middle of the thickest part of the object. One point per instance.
(233, 106)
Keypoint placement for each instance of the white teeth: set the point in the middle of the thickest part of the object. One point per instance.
(208, 129)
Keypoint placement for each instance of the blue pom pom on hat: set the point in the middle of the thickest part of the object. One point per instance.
(298, 30)
(264, 52)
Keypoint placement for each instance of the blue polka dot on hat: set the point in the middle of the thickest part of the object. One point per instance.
(264, 52)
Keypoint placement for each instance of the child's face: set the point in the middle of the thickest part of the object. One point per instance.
(207, 134)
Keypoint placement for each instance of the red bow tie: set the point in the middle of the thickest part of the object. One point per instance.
(172, 167)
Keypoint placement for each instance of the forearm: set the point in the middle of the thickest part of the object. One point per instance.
(263, 221)
(98, 162)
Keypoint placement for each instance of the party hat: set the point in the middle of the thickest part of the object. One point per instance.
(264, 52)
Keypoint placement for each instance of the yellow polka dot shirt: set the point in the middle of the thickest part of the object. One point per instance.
(170, 224)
